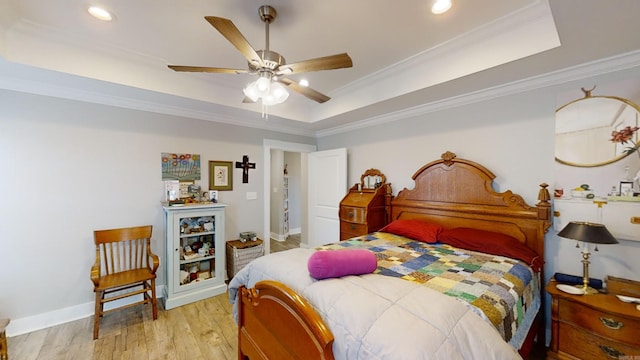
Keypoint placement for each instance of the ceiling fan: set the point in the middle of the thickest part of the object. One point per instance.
(270, 66)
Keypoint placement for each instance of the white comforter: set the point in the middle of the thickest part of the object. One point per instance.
(379, 317)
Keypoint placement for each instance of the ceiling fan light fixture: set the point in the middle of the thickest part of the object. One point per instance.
(279, 92)
(270, 93)
(251, 91)
(277, 95)
(440, 6)
(262, 85)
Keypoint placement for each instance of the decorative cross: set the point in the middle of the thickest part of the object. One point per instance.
(245, 165)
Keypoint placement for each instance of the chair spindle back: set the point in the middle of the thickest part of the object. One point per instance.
(123, 249)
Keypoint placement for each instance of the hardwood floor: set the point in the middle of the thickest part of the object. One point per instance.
(292, 241)
(202, 330)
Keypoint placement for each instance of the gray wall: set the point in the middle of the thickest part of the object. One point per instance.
(71, 167)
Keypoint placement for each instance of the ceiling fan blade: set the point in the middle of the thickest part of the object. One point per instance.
(337, 61)
(247, 100)
(207, 69)
(308, 92)
(235, 37)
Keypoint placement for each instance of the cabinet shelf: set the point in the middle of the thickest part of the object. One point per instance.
(196, 259)
(285, 207)
(197, 234)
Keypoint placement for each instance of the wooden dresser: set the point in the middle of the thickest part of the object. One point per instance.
(596, 326)
(365, 208)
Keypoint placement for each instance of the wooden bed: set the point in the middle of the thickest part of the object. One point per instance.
(275, 322)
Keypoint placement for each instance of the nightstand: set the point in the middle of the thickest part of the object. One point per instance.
(596, 326)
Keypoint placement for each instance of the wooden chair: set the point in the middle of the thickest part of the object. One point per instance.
(3, 339)
(123, 261)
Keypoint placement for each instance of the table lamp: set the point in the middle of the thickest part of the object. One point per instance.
(587, 233)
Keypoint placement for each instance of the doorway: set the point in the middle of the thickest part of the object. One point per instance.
(286, 171)
(275, 177)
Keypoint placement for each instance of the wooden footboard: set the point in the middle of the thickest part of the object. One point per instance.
(276, 323)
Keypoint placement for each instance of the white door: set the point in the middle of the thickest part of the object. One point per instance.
(327, 185)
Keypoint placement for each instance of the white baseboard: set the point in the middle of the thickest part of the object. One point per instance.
(283, 237)
(61, 316)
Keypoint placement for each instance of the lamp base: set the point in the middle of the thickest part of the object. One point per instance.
(587, 290)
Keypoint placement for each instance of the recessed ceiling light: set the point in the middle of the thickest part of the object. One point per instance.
(100, 13)
(441, 6)
(304, 82)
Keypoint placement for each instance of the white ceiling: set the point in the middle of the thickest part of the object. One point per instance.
(404, 56)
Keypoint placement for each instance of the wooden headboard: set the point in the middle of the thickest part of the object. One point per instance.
(455, 192)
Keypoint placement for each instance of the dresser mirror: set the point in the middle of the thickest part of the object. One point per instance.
(584, 127)
(372, 179)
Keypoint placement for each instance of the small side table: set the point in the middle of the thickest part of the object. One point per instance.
(241, 253)
(592, 326)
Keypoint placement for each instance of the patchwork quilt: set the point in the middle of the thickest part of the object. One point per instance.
(502, 290)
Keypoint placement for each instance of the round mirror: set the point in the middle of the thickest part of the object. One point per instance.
(584, 127)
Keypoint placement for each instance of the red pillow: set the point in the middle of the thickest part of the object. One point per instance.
(414, 229)
(491, 243)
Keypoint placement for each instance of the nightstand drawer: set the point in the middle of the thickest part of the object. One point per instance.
(608, 325)
(584, 345)
(353, 228)
(353, 214)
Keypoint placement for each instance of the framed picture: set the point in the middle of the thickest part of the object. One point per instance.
(220, 175)
(183, 167)
(626, 188)
(184, 189)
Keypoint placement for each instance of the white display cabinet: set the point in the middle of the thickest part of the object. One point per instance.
(195, 241)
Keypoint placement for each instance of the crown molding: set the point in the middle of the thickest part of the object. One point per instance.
(48, 84)
(586, 70)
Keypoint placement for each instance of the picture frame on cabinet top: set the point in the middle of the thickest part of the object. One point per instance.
(184, 189)
(626, 188)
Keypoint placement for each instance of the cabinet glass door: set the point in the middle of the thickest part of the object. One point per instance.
(196, 251)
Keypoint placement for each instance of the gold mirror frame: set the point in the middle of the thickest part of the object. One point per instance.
(588, 96)
(372, 176)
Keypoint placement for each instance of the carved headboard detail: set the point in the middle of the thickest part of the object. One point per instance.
(456, 192)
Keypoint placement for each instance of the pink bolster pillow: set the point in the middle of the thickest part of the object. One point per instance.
(337, 263)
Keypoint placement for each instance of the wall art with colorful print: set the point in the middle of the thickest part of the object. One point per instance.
(181, 167)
